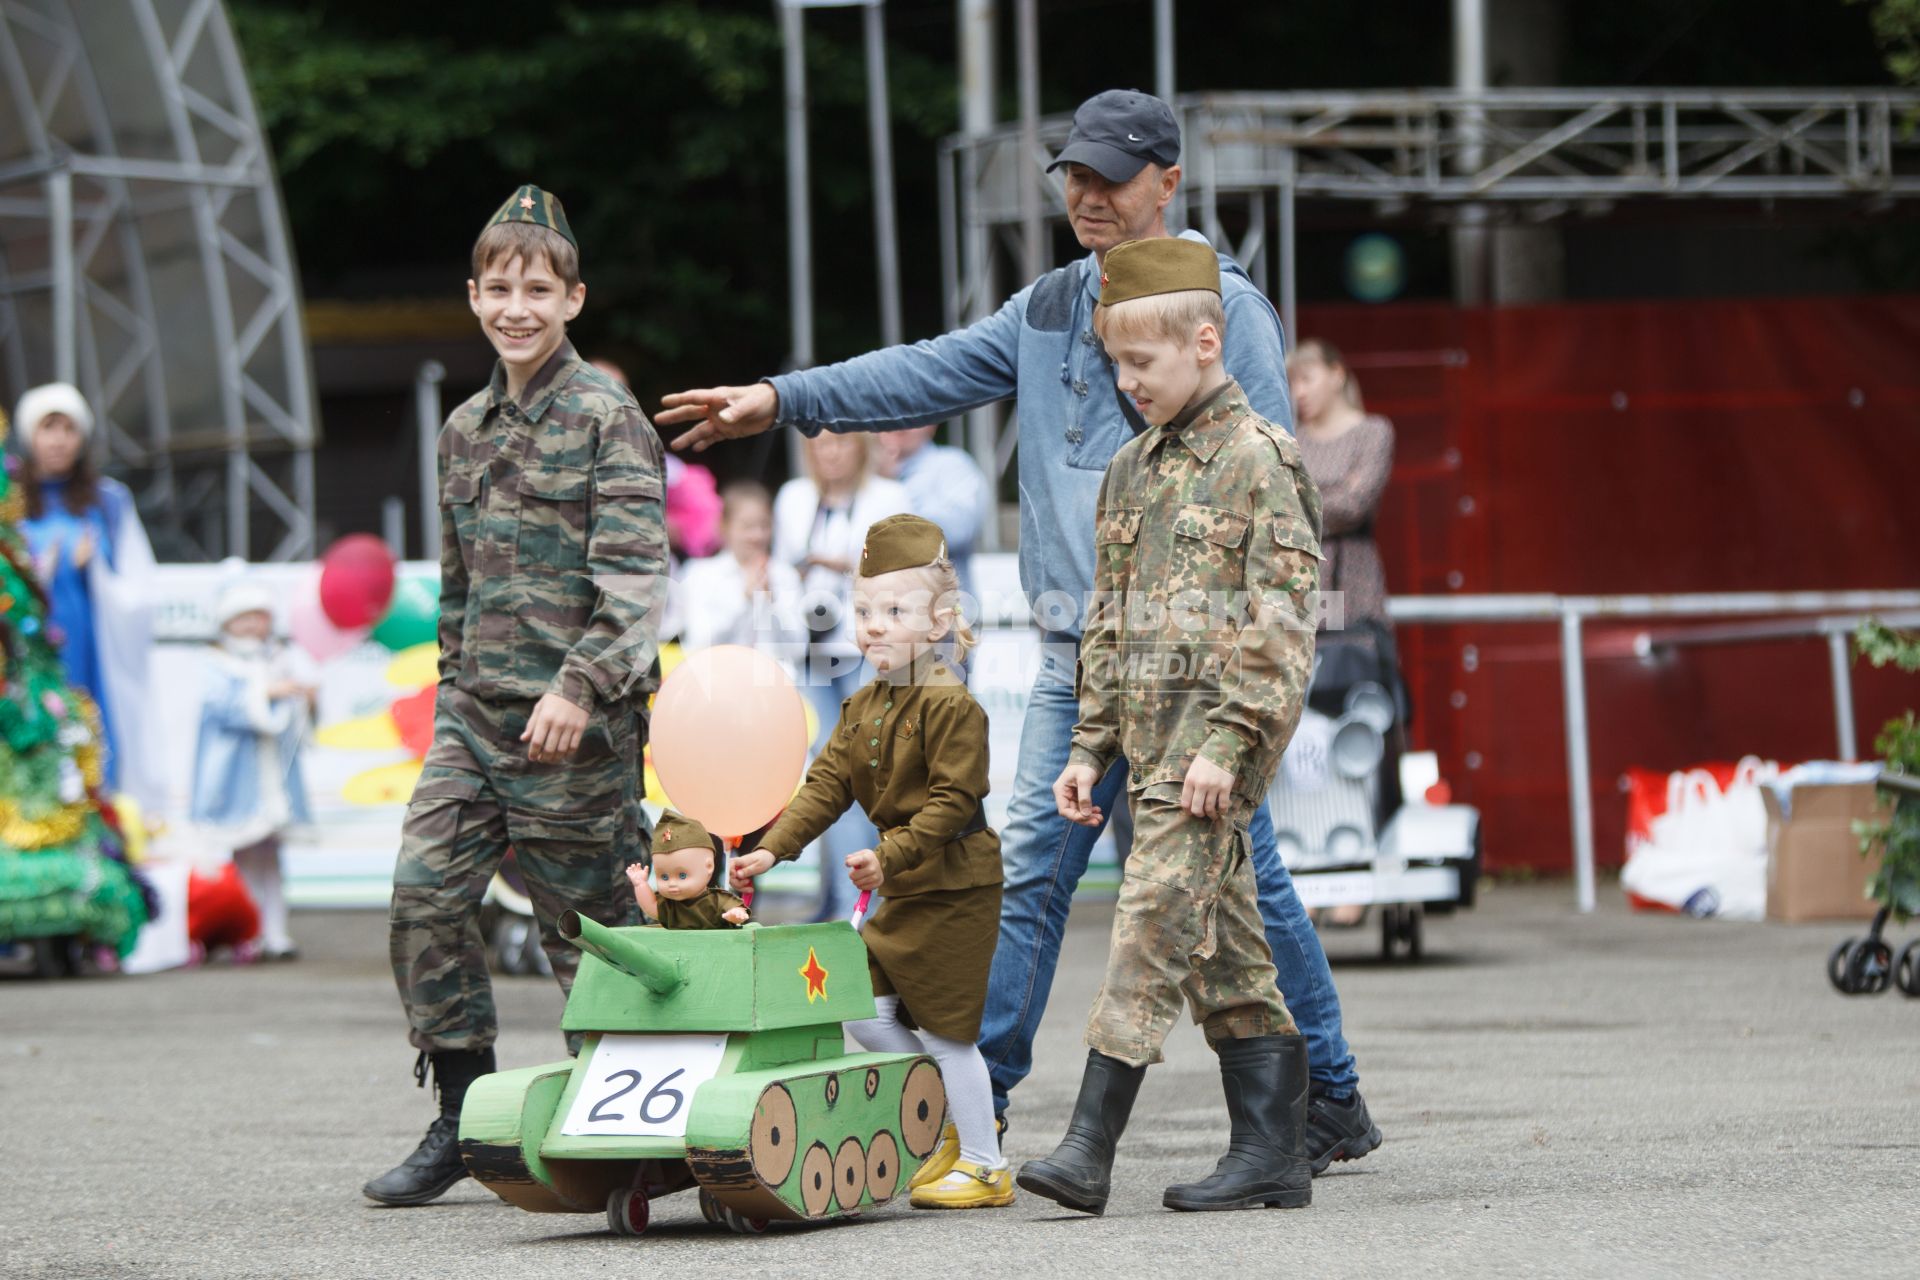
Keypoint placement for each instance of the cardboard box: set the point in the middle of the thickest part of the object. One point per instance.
(1814, 867)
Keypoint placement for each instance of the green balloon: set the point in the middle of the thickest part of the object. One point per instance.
(412, 618)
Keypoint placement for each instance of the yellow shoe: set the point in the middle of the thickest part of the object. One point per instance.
(940, 1163)
(967, 1186)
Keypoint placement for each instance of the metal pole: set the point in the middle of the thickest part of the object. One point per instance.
(1574, 681)
(976, 39)
(1470, 238)
(60, 268)
(1840, 661)
(1027, 44)
(886, 240)
(1288, 263)
(426, 414)
(1163, 50)
(799, 225)
(393, 524)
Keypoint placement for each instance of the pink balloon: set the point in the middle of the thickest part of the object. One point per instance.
(729, 738)
(356, 580)
(313, 631)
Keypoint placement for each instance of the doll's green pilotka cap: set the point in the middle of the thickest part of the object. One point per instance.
(541, 208)
(676, 832)
(901, 542)
(1164, 264)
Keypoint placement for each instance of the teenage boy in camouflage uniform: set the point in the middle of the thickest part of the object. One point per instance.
(1195, 667)
(552, 567)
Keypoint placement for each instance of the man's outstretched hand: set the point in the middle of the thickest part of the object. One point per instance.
(719, 413)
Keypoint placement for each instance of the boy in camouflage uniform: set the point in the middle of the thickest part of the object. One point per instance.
(552, 568)
(1194, 667)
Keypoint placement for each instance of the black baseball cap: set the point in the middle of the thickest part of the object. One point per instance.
(1118, 132)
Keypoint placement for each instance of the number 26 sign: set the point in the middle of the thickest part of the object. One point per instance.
(642, 1086)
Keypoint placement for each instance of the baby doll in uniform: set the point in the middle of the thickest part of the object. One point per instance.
(683, 864)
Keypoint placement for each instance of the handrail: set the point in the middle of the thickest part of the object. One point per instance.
(1572, 613)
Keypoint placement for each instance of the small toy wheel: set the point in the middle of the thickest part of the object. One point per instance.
(1869, 966)
(1413, 933)
(740, 1224)
(1906, 971)
(628, 1212)
(709, 1207)
(1837, 967)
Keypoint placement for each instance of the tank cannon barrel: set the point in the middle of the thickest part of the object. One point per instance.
(624, 952)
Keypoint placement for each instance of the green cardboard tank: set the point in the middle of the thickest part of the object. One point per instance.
(711, 1058)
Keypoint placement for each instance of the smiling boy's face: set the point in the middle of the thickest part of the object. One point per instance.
(524, 308)
(683, 873)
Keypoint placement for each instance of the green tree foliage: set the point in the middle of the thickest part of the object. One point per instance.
(1897, 883)
(1896, 26)
(659, 124)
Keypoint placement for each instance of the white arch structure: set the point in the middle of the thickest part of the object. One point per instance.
(144, 256)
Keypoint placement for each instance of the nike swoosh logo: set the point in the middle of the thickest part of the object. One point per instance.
(1132, 138)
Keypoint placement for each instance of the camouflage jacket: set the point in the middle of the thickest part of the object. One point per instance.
(553, 546)
(1200, 636)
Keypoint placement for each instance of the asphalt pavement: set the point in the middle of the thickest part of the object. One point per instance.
(1610, 1095)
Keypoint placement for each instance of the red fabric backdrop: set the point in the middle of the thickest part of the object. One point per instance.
(1608, 448)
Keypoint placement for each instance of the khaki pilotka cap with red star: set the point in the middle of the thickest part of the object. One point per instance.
(541, 208)
(901, 542)
(1164, 264)
(675, 832)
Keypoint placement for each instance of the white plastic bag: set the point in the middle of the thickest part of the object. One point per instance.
(1706, 855)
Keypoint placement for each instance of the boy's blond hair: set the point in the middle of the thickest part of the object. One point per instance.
(1171, 317)
(943, 582)
(530, 242)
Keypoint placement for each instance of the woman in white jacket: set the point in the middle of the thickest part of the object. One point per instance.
(743, 595)
(820, 523)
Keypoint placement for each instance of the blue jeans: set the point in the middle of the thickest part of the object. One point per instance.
(1045, 856)
(827, 686)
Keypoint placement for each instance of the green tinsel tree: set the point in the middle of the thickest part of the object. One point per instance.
(62, 860)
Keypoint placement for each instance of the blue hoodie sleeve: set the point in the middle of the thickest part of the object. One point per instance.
(1256, 349)
(909, 385)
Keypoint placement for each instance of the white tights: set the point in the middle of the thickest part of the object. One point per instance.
(969, 1091)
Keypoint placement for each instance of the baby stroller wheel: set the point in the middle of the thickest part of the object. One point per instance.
(1869, 966)
(1906, 971)
(1837, 967)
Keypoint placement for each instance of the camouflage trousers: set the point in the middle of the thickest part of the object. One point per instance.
(573, 827)
(1187, 923)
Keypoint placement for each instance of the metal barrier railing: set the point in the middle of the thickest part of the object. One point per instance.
(1573, 612)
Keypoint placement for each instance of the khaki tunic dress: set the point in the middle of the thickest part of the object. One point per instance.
(913, 755)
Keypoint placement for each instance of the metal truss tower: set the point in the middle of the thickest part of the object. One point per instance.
(144, 257)
(1528, 154)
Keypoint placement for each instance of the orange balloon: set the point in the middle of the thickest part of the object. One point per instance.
(729, 738)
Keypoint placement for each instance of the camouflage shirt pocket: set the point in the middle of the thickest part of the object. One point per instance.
(1209, 548)
(1299, 559)
(553, 520)
(1118, 531)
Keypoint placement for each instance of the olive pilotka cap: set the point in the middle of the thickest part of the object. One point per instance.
(1164, 264)
(901, 542)
(676, 832)
(541, 208)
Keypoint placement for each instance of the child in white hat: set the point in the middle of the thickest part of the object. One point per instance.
(247, 785)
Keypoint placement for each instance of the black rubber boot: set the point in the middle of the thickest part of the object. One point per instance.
(1266, 1164)
(1079, 1173)
(435, 1164)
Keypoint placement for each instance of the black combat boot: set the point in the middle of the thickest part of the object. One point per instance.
(435, 1164)
(1080, 1170)
(1266, 1164)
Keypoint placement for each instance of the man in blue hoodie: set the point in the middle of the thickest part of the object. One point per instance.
(1122, 163)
